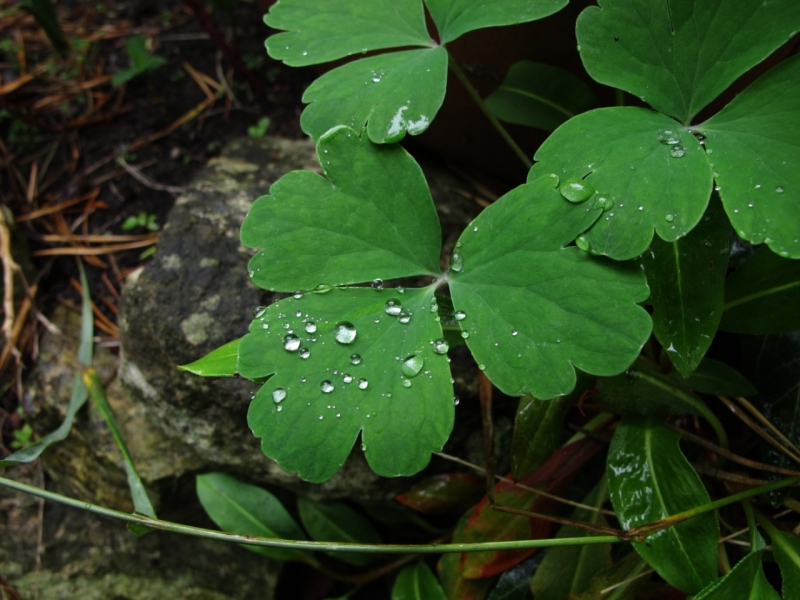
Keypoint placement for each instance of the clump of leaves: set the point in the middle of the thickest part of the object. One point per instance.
(143, 219)
(142, 60)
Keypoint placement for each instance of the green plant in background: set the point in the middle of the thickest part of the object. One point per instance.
(142, 60)
(143, 219)
(259, 130)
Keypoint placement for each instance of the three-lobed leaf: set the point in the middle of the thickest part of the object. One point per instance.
(390, 382)
(680, 55)
(535, 309)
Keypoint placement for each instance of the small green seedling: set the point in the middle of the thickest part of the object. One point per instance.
(143, 219)
(142, 60)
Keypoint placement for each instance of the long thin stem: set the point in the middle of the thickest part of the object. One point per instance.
(488, 113)
(299, 544)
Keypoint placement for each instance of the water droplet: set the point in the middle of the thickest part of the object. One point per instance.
(278, 395)
(641, 208)
(465, 334)
(456, 262)
(669, 218)
(404, 318)
(434, 307)
(345, 332)
(259, 311)
(779, 189)
(401, 289)
(406, 383)
(677, 152)
(412, 365)
(305, 353)
(377, 284)
(291, 343)
(717, 188)
(515, 333)
(482, 367)
(757, 186)
(326, 387)
(558, 340)
(297, 295)
(440, 346)
(702, 139)
(363, 384)
(347, 378)
(279, 408)
(393, 307)
(575, 190)
(460, 315)
(456, 400)
(355, 359)
(311, 327)
(668, 137)
(475, 229)
(265, 326)
(582, 243)
(604, 203)
(376, 79)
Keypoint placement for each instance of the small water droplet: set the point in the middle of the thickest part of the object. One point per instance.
(291, 343)
(641, 208)
(412, 365)
(377, 284)
(305, 353)
(406, 383)
(326, 387)
(440, 346)
(355, 359)
(456, 400)
(475, 229)
(279, 408)
(434, 307)
(393, 307)
(363, 384)
(779, 189)
(558, 340)
(669, 137)
(482, 367)
(456, 262)
(347, 378)
(669, 218)
(345, 332)
(515, 333)
(757, 186)
(582, 242)
(400, 289)
(677, 152)
(465, 334)
(404, 317)
(311, 327)
(259, 311)
(376, 79)
(575, 190)
(460, 315)
(717, 188)
(265, 326)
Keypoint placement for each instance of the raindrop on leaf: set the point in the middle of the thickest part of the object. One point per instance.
(345, 332)
(278, 395)
(291, 343)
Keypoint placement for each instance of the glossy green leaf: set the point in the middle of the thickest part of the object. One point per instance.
(221, 362)
(650, 479)
(763, 295)
(650, 172)
(513, 584)
(718, 379)
(375, 205)
(417, 582)
(338, 522)
(754, 145)
(447, 493)
(389, 94)
(536, 310)
(625, 576)
(680, 55)
(321, 396)
(746, 581)
(568, 570)
(539, 95)
(456, 586)
(786, 550)
(318, 31)
(687, 282)
(537, 430)
(245, 509)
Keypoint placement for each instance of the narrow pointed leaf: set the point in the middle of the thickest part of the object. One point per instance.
(338, 522)
(786, 549)
(680, 55)
(754, 145)
(652, 173)
(536, 310)
(629, 569)
(718, 379)
(221, 362)
(245, 509)
(454, 18)
(389, 94)
(650, 479)
(746, 581)
(763, 295)
(375, 204)
(417, 582)
(687, 283)
(318, 31)
(539, 95)
(321, 397)
(448, 493)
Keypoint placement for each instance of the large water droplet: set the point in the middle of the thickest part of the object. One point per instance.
(363, 384)
(326, 387)
(355, 359)
(347, 378)
(604, 203)
(440, 346)
(291, 343)
(412, 365)
(668, 137)
(278, 395)
(377, 284)
(311, 327)
(582, 242)
(575, 190)
(393, 307)
(460, 315)
(456, 262)
(669, 218)
(345, 332)
(677, 152)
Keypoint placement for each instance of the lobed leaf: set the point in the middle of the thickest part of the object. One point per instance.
(417, 582)
(318, 31)
(650, 479)
(754, 145)
(687, 281)
(337, 522)
(244, 509)
(373, 217)
(649, 172)
(395, 391)
(454, 18)
(680, 55)
(221, 362)
(536, 310)
(389, 94)
(746, 580)
(539, 95)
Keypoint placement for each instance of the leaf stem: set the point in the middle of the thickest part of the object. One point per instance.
(301, 544)
(487, 113)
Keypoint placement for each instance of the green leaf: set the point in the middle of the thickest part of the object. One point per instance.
(540, 96)
(718, 379)
(45, 14)
(650, 479)
(447, 493)
(456, 586)
(513, 584)
(390, 94)
(338, 523)
(687, 280)
(245, 509)
(680, 55)
(626, 576)
(454, 18)
(318, 31)
(568, 570)
(745, 581)
(221, 362)
(651, 173)
(786, 549)
(754, 145)
(375, 205)
(417, 582)
(396, 392)
(763, 295)
(536, 310)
